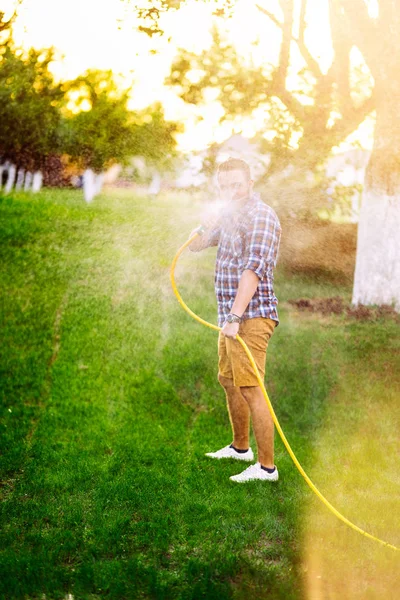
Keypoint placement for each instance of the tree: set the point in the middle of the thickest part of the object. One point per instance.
(243, 87)
(377, 274)
(105, 131)
(29, 107)
(30, 103)
(87, 118)
(101, 132)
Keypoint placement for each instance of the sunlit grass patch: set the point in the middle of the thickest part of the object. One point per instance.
(355, 464)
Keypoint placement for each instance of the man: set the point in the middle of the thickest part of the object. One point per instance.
(247, 234)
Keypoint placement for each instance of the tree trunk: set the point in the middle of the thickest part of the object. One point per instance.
(19, 184)
(10, 178)
(28, 181)
(377, 272)
(37, 181)
(99, 179)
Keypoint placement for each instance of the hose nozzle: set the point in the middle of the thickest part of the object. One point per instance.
(200, 229)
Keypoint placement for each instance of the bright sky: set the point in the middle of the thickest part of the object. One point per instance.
(100, 34)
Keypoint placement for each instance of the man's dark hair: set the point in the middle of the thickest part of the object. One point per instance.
(235, 164)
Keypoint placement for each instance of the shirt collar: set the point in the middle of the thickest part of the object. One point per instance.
(232, 219)
(250, 201)
(244, 208)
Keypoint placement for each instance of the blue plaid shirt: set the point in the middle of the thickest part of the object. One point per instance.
(249, 239)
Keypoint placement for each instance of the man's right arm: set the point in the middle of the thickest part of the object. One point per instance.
(208, 238)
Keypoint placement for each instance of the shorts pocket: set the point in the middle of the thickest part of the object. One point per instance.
(257, 333)
(256, 341)
(266, 327)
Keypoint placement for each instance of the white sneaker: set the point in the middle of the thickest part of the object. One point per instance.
(255, 472)
(229, 452)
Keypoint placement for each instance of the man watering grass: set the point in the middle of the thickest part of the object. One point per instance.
(247, 233)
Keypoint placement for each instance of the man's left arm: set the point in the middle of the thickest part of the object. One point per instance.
(246, 289)
(263, 251)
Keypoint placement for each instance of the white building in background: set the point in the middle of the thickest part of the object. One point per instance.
(348, 169)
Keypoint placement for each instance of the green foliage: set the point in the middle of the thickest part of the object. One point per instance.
(30, 104)
(109, 132)
(242, 87)
(103, 134)
(154, 138)
(149, 12)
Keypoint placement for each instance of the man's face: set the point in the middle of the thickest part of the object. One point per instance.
(234, 185)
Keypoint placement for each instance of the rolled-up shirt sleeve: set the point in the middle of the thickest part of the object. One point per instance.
(264, 239)
(214, 237)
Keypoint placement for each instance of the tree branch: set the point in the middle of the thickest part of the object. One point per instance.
(278, 85)
(364, 30)
(342, 44)
(287, 36)
(270, 15)
(298, 110)
(352, 119)
(309, 59)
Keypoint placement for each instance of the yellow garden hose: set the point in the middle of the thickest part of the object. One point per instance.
(260, 381)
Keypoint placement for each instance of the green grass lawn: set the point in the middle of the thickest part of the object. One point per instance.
(109, 400)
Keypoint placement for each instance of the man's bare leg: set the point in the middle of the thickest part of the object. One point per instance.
(263, 424)
(239, 413)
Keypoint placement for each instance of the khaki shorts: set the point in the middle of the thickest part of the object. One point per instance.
(233, 361)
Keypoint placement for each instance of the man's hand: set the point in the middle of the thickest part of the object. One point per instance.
(230, 330)
(201, 241)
